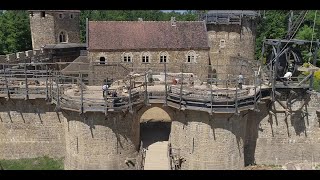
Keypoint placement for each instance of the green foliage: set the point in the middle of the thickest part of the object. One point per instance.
(273, 26)
(41, 163)
(14, 32)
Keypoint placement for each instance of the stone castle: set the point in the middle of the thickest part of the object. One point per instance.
(88, 136)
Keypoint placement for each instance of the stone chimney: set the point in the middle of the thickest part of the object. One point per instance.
(173, 21)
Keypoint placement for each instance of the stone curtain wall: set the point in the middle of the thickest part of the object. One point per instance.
(277, 141)
(30, 129)
(96, 142)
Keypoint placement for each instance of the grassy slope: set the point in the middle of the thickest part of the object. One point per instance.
(41, 163)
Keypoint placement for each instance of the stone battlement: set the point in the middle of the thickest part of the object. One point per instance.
(21, 56)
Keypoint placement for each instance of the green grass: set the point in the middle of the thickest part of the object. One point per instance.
(317, 167)
(41, 163)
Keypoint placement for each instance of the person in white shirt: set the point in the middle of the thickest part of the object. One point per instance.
(104, 89)
(287, 77)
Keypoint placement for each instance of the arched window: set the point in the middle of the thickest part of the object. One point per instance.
(63, 37)
(102, 60)
(191, 57)
(127, 57)
(163, 57)
(71, 16)
(145, 58)
(60, 15)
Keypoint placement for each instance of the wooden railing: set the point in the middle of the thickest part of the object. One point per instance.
(20, 82)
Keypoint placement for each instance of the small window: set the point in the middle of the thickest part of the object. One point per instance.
(71, 16)
(31, 13)
(145, 59)
(102, 60)
(222, 43)
(60, 16)
(43, 14)
(163, 57)
(127, 58)
(191, 57)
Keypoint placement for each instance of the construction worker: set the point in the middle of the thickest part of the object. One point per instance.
(240, 81)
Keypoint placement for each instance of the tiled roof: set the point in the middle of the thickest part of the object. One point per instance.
(123, 35)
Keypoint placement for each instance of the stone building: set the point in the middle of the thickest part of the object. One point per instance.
(137, 44)
(54, 26)
(232, 35)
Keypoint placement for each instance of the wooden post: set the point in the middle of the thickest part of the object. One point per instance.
(255, 90)
(81, 90)
(47, 90)
(6, 80)
(26, 80)
(51, 83)
(130, 104)
(58, 91)
(181, 86)
(146, 98)
(236, 100)
(211, 98)
(275, 69)
(165, 83)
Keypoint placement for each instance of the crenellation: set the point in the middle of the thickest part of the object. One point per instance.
(29, 53)
(11, 57)
(21, 55)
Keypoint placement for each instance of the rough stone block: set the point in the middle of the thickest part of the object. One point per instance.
(3, 58)
(36, 52)
(11, 57)
(29, 53)
(21, 55)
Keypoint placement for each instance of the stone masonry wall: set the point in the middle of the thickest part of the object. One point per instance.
(227, 41)
(30, 129)
(42, 29)
(96, 142)
(70, 25)
(273, 139)
(174, 60)
(209, 142)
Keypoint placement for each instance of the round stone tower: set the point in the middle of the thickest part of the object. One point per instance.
(54, 26)
(231, 35)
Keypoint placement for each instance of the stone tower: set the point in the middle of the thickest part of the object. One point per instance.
(231, 35)
(54, 27)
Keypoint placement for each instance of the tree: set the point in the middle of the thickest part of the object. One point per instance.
(15, 32)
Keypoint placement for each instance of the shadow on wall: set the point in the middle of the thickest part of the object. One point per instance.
(299, 121)
(22, 106)
(119, 123)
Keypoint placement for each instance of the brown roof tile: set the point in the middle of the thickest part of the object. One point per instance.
(124, 35)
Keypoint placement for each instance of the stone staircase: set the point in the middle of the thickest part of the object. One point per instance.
(157, 156)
